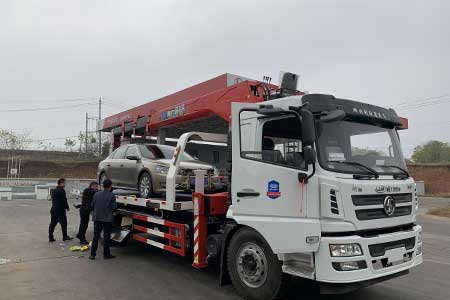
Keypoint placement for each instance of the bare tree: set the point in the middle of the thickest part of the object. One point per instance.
(70, 144)
(9, 140)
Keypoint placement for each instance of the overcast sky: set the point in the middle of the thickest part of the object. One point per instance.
(386, 53)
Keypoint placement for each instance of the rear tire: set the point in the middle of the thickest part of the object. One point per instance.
(253, 268)
(145, 186)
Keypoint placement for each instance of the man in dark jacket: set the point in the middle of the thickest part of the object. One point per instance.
(58, 211)
(85, 211)
(104, 203)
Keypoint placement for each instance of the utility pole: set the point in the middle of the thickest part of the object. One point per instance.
(99, 132)
(86, 134)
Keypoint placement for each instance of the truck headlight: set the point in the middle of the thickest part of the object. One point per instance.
(162, 169)
(345, 250)
(419, 237)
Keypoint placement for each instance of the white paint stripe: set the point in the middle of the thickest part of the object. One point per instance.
(195, 248)
(155, 220)
(156, 244)
(155, 232)
(195, 235)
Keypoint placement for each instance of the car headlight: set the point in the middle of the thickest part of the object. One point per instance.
(162, 169)
(345, 250)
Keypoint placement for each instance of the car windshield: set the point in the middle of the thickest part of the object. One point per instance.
(352, 147)
(161, 152)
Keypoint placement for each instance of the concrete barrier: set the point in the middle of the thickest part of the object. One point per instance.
(39, 188)
(6, 193)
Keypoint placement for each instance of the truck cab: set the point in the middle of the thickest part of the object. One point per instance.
(323, 182)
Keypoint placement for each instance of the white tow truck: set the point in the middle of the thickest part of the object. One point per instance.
(318, 190)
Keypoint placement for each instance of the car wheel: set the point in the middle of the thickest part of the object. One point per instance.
(145, 185)
(102, 178)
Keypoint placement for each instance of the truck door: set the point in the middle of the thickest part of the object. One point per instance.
(266, 192)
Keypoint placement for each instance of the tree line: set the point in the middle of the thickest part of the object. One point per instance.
(12, 141)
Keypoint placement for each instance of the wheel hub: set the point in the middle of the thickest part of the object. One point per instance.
(252, 265)
(144, 186)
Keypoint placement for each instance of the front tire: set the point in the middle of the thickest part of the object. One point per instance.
(102, 178)
(253, 268)
(145, 186)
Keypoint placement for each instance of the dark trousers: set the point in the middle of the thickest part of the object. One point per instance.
(55, 219)
(84, 223)
(98, 227)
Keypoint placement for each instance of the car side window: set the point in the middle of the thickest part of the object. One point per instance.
(120, 153)
(146, 152)
(132, 151)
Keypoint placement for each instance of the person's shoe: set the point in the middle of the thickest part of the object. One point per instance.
(92, 257)
(67, 238)
(84, 242)
(109, 257)
(51, 240)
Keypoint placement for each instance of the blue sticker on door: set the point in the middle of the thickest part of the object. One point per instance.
(273, 189)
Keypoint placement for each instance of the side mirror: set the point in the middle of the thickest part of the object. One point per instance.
(334, 115)
(308, 130)
(309, 155)
(133, 157)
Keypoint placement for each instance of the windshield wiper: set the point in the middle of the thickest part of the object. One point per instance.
(354, 163)
(396, 167)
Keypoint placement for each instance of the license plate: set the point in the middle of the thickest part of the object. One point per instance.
(395, 255)
(206, 181)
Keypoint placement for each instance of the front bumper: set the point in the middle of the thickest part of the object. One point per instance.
(394, 260)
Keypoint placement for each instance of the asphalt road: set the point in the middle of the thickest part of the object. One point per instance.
(31, 268)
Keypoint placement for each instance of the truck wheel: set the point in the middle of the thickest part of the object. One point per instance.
(253, 268)
(145, 185)
(102, 178)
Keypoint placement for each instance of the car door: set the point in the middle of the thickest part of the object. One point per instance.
(266, 192)
(131, 168)
(117, 166)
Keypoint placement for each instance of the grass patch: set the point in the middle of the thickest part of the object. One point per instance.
(441, 212)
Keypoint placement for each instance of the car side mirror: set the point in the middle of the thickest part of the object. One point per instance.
(133, 157)
(308, 130)
(309, 155)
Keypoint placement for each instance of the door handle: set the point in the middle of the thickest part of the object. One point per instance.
(121, 165)
(247, 193)
(108, 165)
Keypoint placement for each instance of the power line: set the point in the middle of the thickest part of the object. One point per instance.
(51, 100)
(419, 100)
(424, 104)
(46, 108)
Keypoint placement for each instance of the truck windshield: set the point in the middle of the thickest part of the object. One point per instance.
(358, 148)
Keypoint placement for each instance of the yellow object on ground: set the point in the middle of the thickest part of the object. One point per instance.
(84, 248)
(75, 248)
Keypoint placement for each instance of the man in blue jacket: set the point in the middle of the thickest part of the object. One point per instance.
(103, 204)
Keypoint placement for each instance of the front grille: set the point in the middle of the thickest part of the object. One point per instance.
(380, 249)
(361, 200)
(378, 213)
